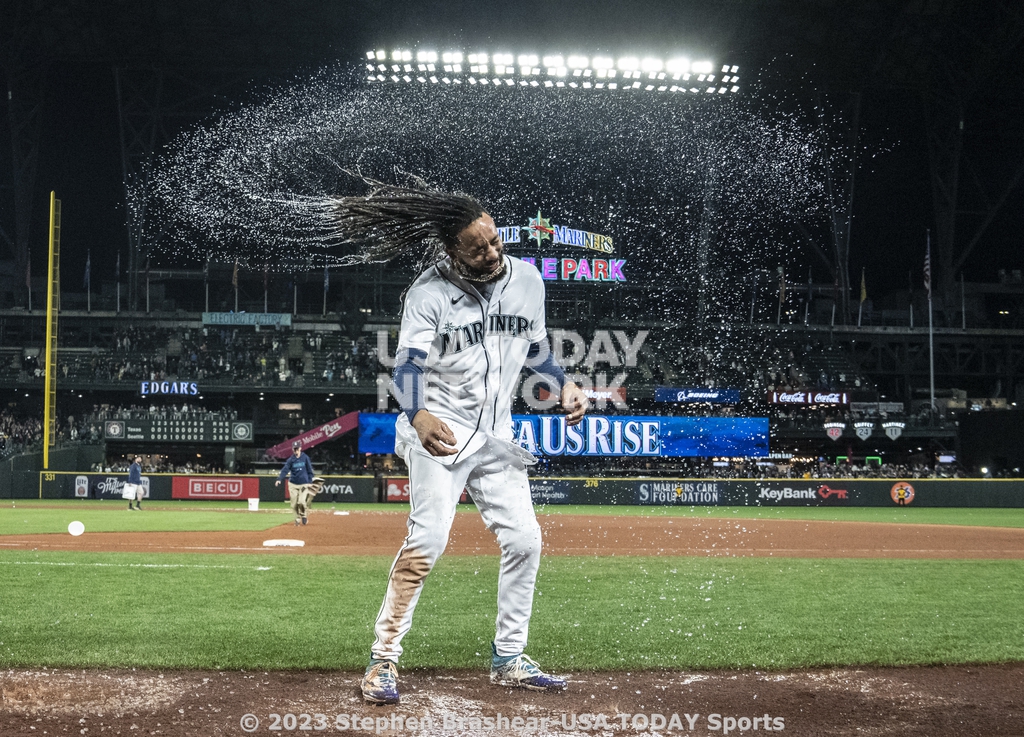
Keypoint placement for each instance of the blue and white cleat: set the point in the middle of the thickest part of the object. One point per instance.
(380, 683)
(522, 672)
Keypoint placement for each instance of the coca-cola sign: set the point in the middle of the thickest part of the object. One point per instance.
(805, 397)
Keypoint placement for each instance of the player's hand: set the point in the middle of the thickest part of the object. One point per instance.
(435, 436)
(277, 483)
(574, 403)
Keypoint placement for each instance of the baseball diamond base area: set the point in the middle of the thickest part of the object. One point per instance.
(965, 701)
(381, 533)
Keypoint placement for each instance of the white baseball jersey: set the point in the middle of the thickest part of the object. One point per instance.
(475, 351)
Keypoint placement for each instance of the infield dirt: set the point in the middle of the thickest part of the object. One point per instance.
(381, 533)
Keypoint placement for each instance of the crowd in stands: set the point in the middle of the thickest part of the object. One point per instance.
(222, 355)
(18, 433)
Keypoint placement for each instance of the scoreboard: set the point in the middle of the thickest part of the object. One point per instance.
(152, 430)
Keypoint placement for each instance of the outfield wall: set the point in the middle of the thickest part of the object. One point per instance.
(782, 492)
(571, 490)
(70, 485)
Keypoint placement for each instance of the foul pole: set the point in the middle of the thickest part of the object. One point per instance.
(52, 308)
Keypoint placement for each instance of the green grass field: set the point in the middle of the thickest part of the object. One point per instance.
(286, 611)
(244, 611)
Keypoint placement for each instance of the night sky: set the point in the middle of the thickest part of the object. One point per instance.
(901, 57)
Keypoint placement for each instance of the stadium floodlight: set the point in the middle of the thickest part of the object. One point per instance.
(678, 66)
(648, 73)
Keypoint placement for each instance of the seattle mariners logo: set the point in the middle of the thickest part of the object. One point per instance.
(539, 228)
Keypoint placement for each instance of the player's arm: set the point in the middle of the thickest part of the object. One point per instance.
(284, 472)
(541, 361)
(420, 319)
(435, 436)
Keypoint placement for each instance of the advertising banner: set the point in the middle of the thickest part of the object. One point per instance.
(326, 431)
(247, 318)
(396, 489)
(781, 492)
(612, 435)
(215, 487)
(687, 394)
(344, 489)
(808, 396)
(104, 486)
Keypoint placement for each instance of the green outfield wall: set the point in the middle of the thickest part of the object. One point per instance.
(566, 490)
(227, 487)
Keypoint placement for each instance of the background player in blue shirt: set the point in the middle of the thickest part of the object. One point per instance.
(299, 470)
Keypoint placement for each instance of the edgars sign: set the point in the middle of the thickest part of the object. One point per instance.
(189, 388)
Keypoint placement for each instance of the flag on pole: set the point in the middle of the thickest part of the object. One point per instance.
(782, 286)
(327, 279)
(28, 274)
(86, 283)
(234, 275)
(928, 266)
(117, 268)
(266, 277)
(863, 286)
(206, 269)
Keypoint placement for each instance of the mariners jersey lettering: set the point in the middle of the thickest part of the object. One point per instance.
(475, 347)
(458, 338)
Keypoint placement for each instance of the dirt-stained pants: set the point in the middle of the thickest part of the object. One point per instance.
(498, 484)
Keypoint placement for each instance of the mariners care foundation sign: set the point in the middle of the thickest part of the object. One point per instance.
(541, 231)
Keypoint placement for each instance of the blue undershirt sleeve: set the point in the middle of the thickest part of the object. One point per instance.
(540, 360)
(409, 381)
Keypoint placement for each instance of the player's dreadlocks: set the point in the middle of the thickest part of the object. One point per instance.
(392, 220)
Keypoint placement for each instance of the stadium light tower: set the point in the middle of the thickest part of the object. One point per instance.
(503, 68)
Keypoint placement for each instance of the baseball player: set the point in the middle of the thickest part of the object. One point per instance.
(133, 488)
(301, 482)
(471, 322)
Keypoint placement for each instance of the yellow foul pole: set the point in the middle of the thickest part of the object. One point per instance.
(52, 308)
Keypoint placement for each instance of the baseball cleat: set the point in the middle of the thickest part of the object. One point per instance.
(304, 520)
(380, 683)
(522, 672)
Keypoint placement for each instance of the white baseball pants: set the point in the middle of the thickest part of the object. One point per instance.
(497, 481)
